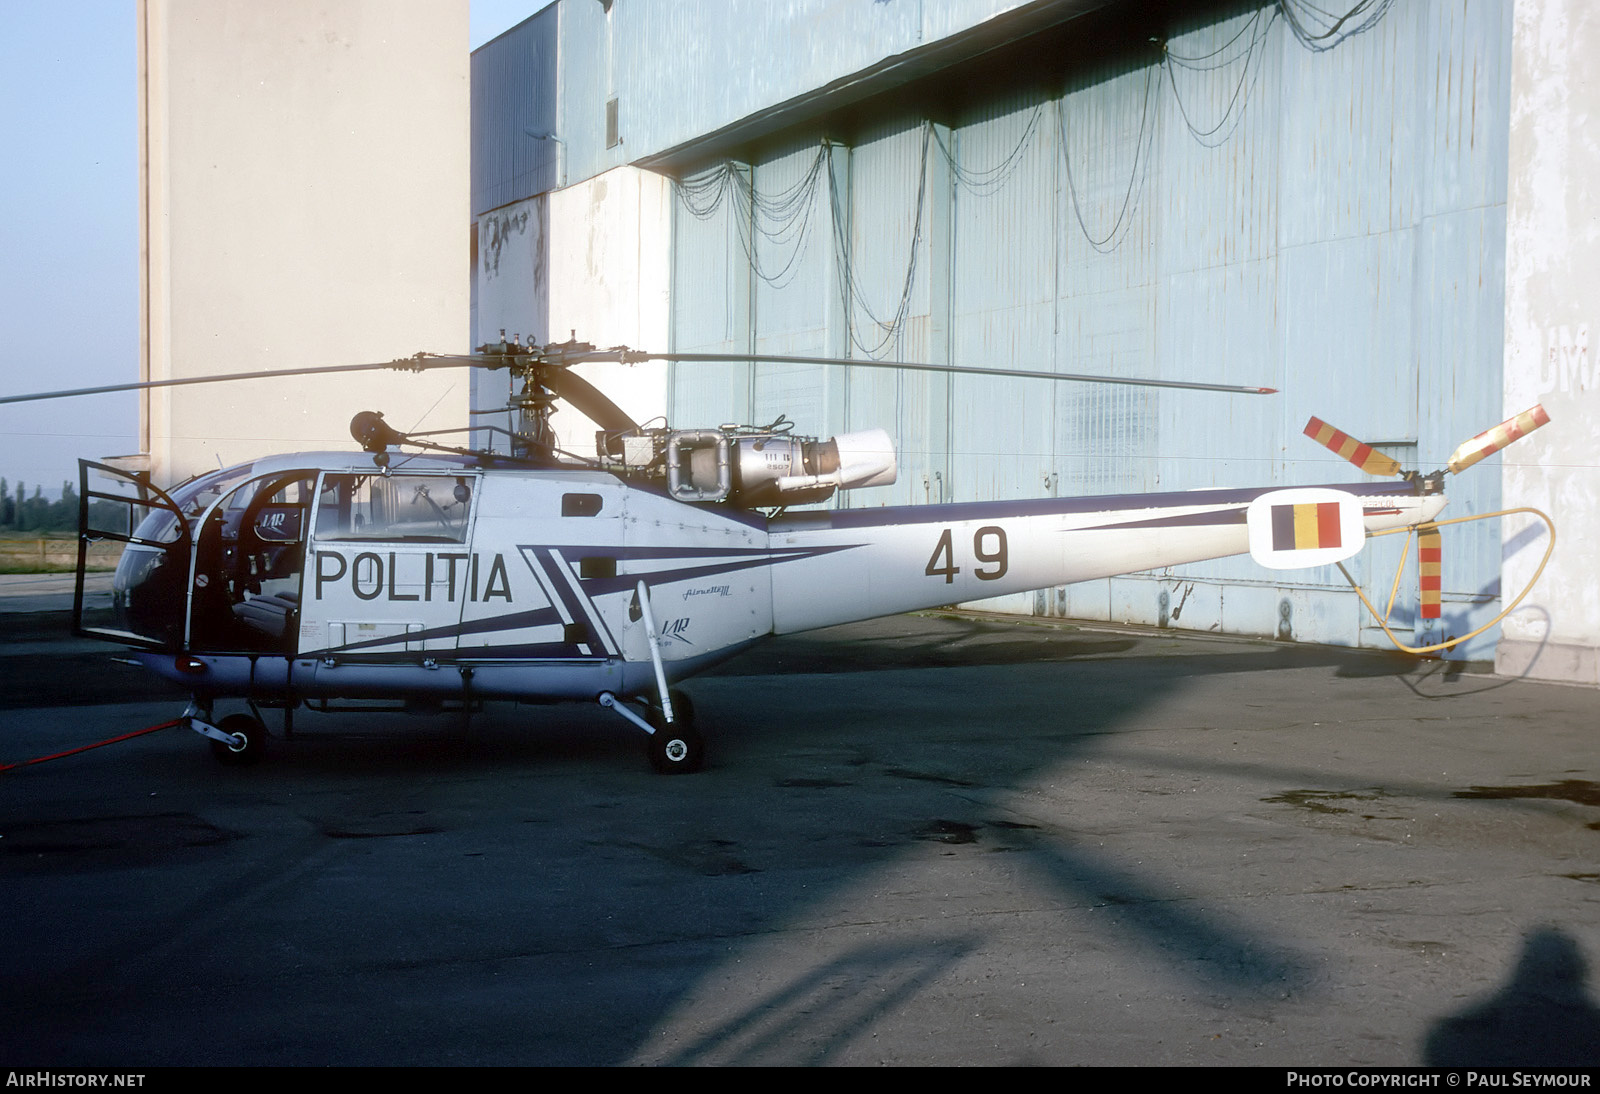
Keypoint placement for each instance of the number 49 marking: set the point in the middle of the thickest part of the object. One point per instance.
(942, 563)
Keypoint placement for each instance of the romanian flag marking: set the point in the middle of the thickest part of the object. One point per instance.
(1305, 527)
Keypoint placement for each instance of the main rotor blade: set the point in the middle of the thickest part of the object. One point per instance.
(413, 364)
(587, 400)
(919, 366)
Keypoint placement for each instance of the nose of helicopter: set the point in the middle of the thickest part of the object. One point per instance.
(148, 595)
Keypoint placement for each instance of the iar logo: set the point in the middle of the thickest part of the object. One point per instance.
(677, 629)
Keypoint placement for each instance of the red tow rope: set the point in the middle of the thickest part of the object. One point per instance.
(97, 744)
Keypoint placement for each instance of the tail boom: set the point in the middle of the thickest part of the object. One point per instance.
(897, 559)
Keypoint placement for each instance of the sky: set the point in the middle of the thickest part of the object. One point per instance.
(69, 229)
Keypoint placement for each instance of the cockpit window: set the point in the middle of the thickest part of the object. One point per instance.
(407, 508)
(195, 495)
(191, 497)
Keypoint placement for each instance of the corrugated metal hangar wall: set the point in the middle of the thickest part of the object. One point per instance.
(1188, 191)
(1229, 204)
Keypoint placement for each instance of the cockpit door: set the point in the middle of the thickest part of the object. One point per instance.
(388, 564)
(126, 524)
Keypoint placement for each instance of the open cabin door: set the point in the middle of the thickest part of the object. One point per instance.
(127, 525)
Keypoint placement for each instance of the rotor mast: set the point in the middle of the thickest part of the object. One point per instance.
(546, 379)
(532, 436)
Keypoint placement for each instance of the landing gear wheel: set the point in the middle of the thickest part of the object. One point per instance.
(676, 749)
(250, 738)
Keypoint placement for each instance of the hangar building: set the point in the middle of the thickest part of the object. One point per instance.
(1237, 193)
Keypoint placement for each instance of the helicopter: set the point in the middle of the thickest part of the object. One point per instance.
(433, 574)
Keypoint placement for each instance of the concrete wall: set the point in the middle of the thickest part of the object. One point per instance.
(589, 260)
(1552, 268)
(609, 282)
(305, 199)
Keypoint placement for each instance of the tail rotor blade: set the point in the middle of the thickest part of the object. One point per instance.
(1430, 576)
(1347, 447)
(1490, 441)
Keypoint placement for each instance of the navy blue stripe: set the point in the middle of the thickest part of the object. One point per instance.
(620, 551)
(1034, 507)
(599, 586)
(553, 651)
(761, 554)
(1218, 518)
(549, 616)
(1215, 518)
(576, 608)
(537, 617)
(561, 651)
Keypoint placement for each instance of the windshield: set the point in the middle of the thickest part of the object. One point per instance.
(191, 497)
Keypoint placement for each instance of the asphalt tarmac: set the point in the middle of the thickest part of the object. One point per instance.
(923, 840)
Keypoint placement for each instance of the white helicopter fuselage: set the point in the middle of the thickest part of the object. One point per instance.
(536, 577)
(441, 577)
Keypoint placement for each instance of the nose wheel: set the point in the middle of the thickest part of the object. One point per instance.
(246, 743)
